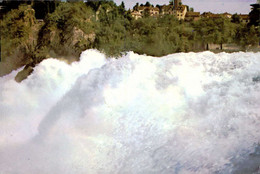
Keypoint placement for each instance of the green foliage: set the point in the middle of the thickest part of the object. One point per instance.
(136, 6)
(17, 23)
(70, 28)
(112, 29)
(160, 36)
(16, 29)
(247, 36)
(218, 31)
(236, 19)
(66, 30)
(147, 4)
(255, 15)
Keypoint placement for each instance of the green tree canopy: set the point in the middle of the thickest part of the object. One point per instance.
(254, 15)
(236, 18)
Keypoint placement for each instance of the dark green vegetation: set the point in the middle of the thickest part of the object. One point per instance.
(70, 28)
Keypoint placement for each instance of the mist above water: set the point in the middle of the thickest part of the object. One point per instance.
(182, 113)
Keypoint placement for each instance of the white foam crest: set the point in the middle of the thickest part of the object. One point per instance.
(182, 113)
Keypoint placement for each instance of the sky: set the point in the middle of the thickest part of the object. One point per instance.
(216, 6)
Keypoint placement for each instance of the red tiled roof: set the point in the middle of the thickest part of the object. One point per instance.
(244, 16)
(193, 14)
(149, 8)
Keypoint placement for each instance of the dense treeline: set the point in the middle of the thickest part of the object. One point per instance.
(118, 32)
(69, 28)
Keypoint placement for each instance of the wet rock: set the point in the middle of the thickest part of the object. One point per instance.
(24, 73)
(256, 79)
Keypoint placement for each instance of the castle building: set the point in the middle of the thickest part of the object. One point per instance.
(140, 12)
(192, 16)
(180, 12)
(244, 18)
(167, 9)
(177, 3)
(174, 8)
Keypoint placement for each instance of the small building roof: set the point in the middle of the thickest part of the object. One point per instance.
(215, 16)
(226, 13)
(206, 14)
(244, 16)
(135, 13)
(149, 8)
(193, 14)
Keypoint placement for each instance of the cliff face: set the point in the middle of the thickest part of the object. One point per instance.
(78, 35)
(19, 31)
(68, 31)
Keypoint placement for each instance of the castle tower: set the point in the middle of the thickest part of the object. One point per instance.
(176, 3)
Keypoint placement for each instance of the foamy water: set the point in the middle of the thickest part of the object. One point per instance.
(184, 113)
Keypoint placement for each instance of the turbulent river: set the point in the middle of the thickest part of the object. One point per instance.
(186, 113)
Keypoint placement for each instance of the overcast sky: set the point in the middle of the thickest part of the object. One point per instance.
(216, 6)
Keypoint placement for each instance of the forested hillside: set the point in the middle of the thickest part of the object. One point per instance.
(69, 28)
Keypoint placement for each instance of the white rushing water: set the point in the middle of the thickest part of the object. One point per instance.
(184, 113)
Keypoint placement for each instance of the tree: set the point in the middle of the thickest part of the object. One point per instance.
(18, 36)
(136, 6)
(147, 4)
(122, 5)
(192, 9)
(254, 15)
(236, 18)
(121, 8)
(246, 36)
(224, 32)
(204, 31)
(188, 8)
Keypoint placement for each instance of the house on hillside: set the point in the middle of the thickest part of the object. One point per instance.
(244, 18)
(136, 15)
(215, 16)
(192, 16)
(180, 12)
(154, 11)
(141, 10)
(211, 15)
(227, 15)
(167, 10)
(177, 9)
(206, 14)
